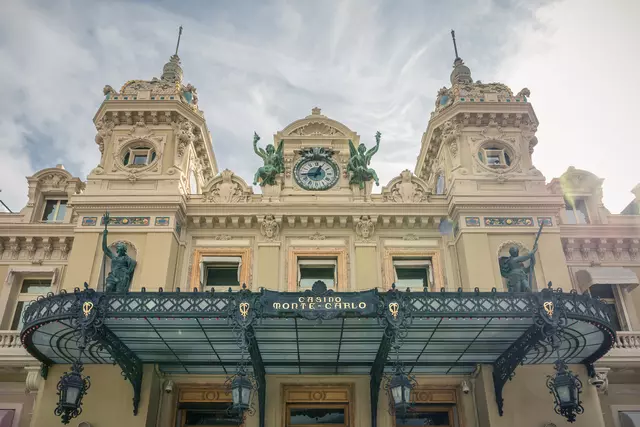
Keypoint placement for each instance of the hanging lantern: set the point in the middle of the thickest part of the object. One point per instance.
(400, 388)
(71, 389)
(241, 389)
(565, 388)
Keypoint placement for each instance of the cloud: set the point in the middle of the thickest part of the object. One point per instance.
(373, 65)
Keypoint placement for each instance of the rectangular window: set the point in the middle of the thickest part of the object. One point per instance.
(413, 273)
(54, 210)
(30, 289)
(310, 415)
(312, 270)
(576, 211)
(629, 418)
(220, 271)
(140, 159)
(607, 293)
(426, 415)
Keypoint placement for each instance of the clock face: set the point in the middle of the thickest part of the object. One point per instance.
(316, 174)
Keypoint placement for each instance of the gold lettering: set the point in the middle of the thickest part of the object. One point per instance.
(337, 305)
(338, 299)
(362, 305)
(330, 299)
(301, 299)
(309, 299)
(285, 305)
(294, 306)
(276, 305)
(311, 305)
(327, 305)
(318, 299)
(303, 305)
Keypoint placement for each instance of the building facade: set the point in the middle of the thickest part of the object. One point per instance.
(317, 285)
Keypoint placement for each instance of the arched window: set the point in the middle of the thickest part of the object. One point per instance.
(193, 183)
(440, 184)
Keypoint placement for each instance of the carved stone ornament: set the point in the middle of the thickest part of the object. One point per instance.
(317, 236)
(270, 227)
(227, 188)
(184, 136)
(450, 132)
(365, 226)
(54, 180)
(14, 247)
(105, 129)
(406, 188)
(139, 136)
(316, 128)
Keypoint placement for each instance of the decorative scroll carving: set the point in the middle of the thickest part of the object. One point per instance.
(316, 128)
(406, 188)
(227, 188)
(105, 129)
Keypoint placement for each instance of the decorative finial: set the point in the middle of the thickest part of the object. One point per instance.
(315, 111)
(455, 47)
(179, 35)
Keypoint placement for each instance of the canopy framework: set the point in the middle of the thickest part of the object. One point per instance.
(445, 333)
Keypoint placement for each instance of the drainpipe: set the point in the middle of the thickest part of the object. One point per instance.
(472, 378)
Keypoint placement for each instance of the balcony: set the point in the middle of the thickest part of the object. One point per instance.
(12, 354)
(625, 351)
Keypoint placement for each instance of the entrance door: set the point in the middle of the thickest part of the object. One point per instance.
(318, 405)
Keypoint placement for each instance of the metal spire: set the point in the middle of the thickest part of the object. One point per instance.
(178, 44)
(453, 36)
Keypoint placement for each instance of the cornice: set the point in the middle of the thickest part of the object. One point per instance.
(599, 231)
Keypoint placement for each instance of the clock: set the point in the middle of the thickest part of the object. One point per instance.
(316, 174)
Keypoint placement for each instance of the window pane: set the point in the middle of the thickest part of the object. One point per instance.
(222, 275)
(581, 212)
(629, 418)
(17, 322)
(140, 159)
(126, 158)
(49, 210)
(423, 418)
(602, 291)
(316, 416)
(440, 185)
(507, 159)
(310, 275)
(62, 210)
(203, 417)
(35, 286)
(493, 159)
(6, 417)
(415, 277)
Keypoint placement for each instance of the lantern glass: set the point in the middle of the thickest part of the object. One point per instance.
(235, 394)
(241, 391)
(246, 394)
(407, 394)
(564, 394)
(72, 395)
(396, 393)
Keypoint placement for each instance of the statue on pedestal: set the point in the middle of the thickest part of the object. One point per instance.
(273, 162)
(122, 265)
(358, 166)
(519, 278)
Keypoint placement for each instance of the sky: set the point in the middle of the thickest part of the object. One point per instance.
(370, 64)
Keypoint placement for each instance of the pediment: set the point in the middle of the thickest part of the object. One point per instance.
(317, 125)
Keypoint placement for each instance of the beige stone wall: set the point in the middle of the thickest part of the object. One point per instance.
(108, 402)
(13, 396)
(619, 396)
(527, 402)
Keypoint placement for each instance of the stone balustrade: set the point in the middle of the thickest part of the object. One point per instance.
(627, 340)
(10, 339)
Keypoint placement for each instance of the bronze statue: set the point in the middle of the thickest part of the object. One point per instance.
(519, 278)
(273, 162)
(358, 166)
(122, 265)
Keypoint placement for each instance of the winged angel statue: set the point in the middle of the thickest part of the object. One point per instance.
(358, 166)
(273, 162)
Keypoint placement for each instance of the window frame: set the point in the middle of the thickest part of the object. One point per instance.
(26, 298)
(245, 267)
(207, 393)
(319, 262)
(573, 206)
(618, 302)
(138, 150)
(391, 254)
(207, 261)
(435, 408)
(616, 409)
(339, 254)
(56, 210)
(427, 263)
